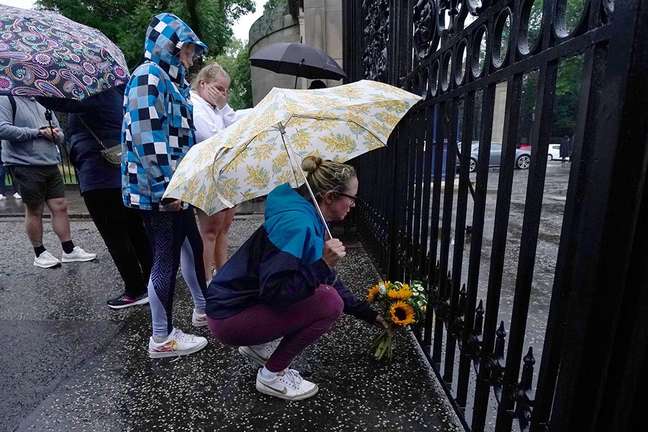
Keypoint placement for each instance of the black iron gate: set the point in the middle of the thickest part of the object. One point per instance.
(458, 54)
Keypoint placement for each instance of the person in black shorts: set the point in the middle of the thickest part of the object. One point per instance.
(31, 154)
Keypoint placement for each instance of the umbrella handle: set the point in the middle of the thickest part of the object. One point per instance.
(301, 64)
(48, 117)
(310, 191)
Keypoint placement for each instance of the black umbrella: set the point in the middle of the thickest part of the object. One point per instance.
(297, 59)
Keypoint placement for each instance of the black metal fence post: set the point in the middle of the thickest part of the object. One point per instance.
(455, 53)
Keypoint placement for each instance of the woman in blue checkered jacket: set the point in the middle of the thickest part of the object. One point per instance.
(156, 133)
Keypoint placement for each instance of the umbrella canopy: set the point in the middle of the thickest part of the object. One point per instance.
(250, 158)
(297, 59)
(45, 54)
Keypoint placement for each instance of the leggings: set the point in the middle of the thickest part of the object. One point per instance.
(170, 233)
(300, 325)
(123, 232)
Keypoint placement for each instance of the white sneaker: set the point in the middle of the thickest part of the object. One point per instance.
(77, 254)
(46, 260)
(287, 384)
(2, 197)
(176, 344)
(17, 195)
(259, 354)
(198, 319)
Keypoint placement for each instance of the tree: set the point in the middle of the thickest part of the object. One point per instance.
(236, 61)
(125, 22)
(567, 82)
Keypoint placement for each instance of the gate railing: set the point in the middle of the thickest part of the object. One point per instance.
(454, 53)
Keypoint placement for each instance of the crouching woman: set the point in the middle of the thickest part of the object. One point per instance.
(279, 292)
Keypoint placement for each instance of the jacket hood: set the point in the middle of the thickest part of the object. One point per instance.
(293, 224)
(165, 36)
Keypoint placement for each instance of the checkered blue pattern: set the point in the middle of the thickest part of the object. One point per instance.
(158, 129)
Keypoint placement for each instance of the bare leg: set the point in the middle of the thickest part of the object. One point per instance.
(34, 223)
(60, 219)
(220, 251)
(209, 226)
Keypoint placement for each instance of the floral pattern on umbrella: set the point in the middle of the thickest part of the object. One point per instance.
(45, 54)
(249, 158)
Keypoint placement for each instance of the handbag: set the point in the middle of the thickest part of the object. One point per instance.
(112, 153)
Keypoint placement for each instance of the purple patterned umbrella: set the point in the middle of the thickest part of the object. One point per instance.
(45, 54)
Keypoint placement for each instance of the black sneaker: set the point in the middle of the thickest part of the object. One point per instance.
(124, 301)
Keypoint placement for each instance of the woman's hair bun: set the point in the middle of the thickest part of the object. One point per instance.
(311, 163)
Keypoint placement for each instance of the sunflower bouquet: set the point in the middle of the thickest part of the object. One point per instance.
(401, 305)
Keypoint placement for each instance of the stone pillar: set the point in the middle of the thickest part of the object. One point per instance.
(279, 27)
(323, 29)
(498, 113)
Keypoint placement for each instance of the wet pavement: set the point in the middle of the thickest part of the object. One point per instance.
(71, 364)
(553, 204)
(12, 207)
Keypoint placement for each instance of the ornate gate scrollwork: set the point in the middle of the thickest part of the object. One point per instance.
(424, 29)
(472, 62)
(376, 38)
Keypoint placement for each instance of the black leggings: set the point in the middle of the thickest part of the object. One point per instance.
(123, 232)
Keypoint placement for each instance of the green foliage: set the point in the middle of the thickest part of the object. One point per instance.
(125, 21)
(236, 61)
(567, 81)
(271, 5)
(566, 99)
(567, 95)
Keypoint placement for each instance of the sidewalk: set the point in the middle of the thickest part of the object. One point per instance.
(70, 364)
(12, 207)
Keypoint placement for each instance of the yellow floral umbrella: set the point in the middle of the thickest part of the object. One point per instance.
(251, 157)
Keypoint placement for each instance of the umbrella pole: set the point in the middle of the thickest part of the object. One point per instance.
(301, 64)
(310, 191)
(48, 117)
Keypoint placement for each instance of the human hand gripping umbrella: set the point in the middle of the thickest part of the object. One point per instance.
(265, 148)
(45, 54)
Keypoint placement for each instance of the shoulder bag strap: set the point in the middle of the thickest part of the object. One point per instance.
(12, 101)
(92, 133)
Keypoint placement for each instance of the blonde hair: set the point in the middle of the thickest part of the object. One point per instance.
(326, 176)
(208, 74)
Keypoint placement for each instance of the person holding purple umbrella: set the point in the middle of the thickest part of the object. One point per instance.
(93, 127)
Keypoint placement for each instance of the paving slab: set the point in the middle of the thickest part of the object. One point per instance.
(71, 364)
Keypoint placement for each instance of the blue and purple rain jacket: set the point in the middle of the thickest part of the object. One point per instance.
(280, 264)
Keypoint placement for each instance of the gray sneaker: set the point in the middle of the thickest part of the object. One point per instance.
(46, 260)
(287, 384)
(176, 344)
(77, 255)
(198, 319)
(259, 354)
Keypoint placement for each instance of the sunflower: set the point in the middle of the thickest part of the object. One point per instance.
(372, 293)
(403, 293)
(402, 314)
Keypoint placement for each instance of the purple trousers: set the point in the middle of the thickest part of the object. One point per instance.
(300, 325)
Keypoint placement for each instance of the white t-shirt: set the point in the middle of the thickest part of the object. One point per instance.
(208, 120)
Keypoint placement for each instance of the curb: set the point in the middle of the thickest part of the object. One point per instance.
(88, 217)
